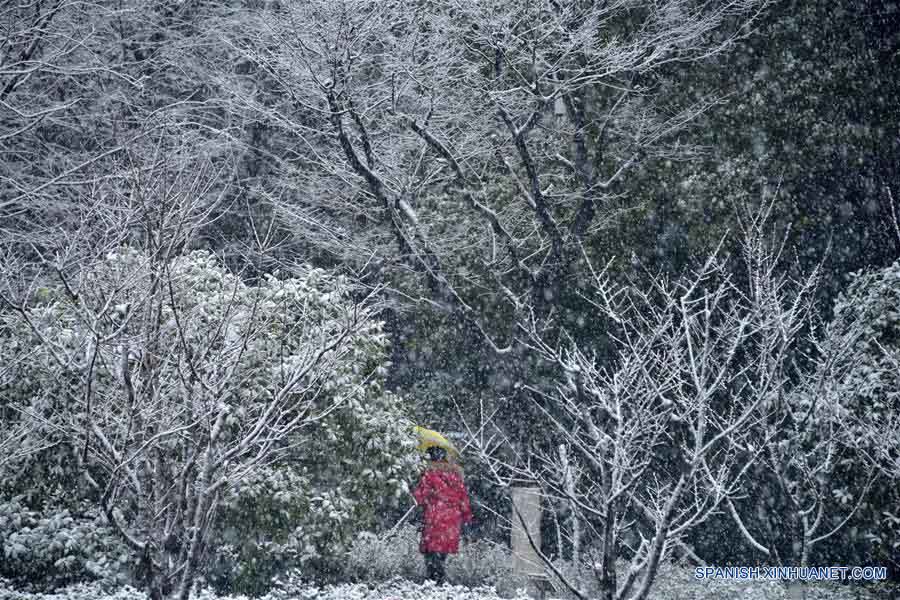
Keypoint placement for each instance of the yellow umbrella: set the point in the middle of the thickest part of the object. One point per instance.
(429, 439)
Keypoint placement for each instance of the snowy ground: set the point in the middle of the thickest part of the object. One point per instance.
(404, 590)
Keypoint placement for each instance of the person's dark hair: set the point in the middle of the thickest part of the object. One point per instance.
(436, 453)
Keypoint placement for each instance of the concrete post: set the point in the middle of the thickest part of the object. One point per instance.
(526, 562)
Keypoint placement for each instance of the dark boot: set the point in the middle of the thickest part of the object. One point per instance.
(435, 568)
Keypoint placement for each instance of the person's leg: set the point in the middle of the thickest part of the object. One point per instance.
(440, 568)
(431, 566)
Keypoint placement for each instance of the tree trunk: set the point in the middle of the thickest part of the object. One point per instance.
(608, 559)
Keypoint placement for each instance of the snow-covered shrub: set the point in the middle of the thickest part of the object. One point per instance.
(50, 548)
(377, 559)
(79, 591)
(483, 563)
(824, 447)
(305, 513)
(676, 582)
(866, 327)
(865, 337)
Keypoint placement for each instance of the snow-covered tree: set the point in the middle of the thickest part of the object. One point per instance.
(813, 475)
(476, 144)
(466, 153)
(658, 430)
(167, 385)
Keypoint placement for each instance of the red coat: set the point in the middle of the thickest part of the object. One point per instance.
(442, 493)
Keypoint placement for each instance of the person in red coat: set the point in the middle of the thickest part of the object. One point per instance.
(442, 493)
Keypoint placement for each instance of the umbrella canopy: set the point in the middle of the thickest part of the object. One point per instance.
(429, 439)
